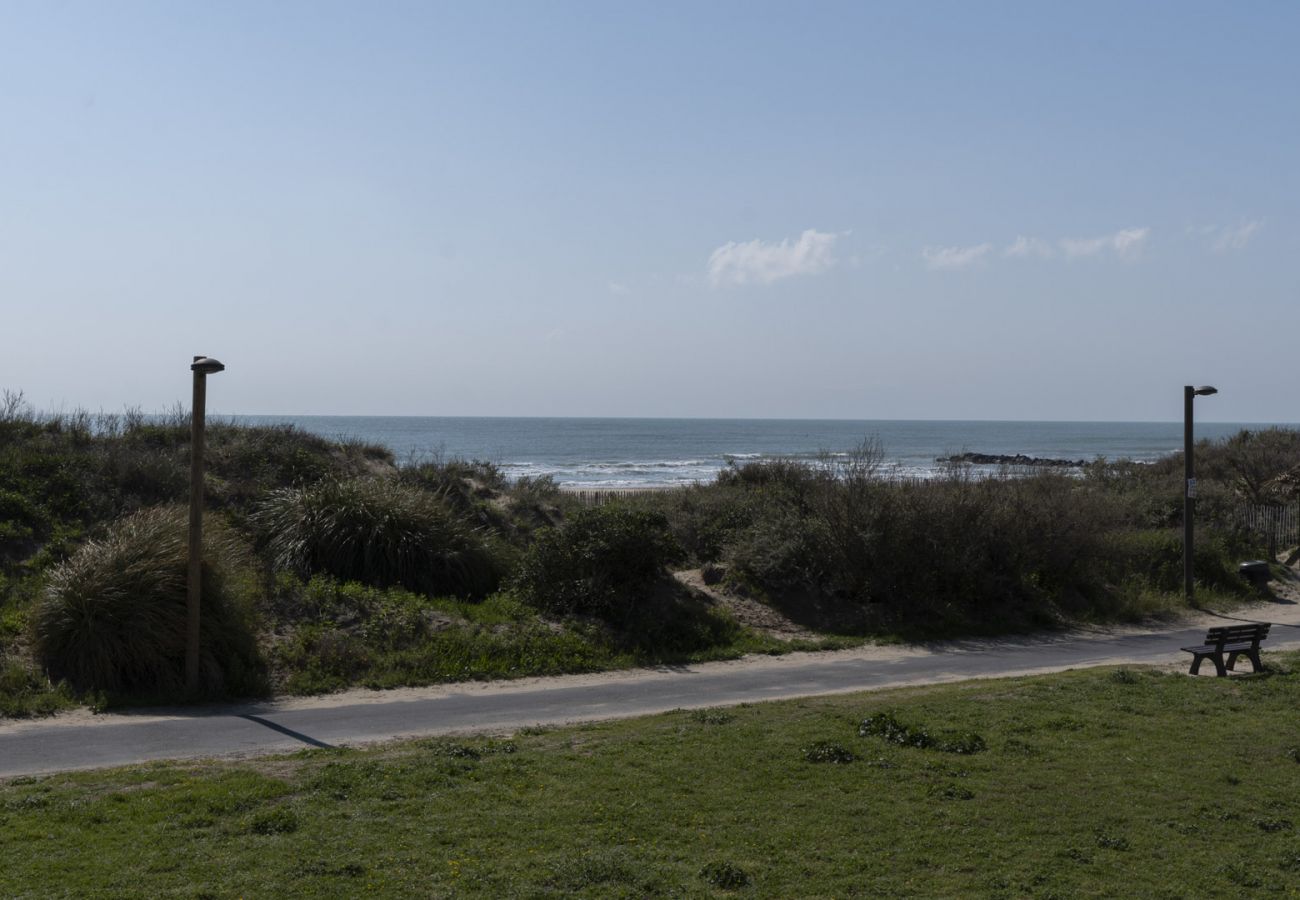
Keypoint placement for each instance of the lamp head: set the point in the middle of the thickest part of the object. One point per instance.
(206, 365)
(1205, 391)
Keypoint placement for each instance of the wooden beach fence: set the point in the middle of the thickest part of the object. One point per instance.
(590, 497)
(1279, 524)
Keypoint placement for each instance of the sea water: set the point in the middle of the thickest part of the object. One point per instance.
(609, 453)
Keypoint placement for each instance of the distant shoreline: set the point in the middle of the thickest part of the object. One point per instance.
(622, 488)
(637, 454)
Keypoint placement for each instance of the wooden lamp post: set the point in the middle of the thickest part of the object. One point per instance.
(201, 367)
(1189, 483)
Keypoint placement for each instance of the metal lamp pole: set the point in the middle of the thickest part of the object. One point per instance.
(1189, 483)
(202, 367)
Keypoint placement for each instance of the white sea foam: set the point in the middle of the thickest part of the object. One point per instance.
(649, 452)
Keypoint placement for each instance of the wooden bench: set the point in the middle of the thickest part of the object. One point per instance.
(1232, 640)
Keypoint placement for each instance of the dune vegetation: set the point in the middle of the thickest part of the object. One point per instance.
(329, 565)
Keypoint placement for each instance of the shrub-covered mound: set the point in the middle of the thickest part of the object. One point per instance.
(381, 532)
(598, 563)
(610, 564)
(836, 546)
(113, 617)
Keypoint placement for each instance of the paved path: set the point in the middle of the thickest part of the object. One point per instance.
(83, 741)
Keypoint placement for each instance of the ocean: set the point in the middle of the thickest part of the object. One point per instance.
(628, 453)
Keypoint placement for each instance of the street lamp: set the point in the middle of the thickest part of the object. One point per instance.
(201, 367)
(1189, 482)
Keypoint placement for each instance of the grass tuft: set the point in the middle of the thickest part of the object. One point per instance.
(726, 876)
(377, 531)
(114, 615)
(885, 726)
(827, 752)
(273, 821)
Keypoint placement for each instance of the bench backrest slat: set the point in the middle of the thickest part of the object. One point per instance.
(1229, 634)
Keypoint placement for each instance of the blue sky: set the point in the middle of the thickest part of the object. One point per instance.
(891, 210)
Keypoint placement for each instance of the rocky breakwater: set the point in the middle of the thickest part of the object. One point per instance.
(1018, 459)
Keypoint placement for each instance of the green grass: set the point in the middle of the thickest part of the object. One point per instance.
(350, 634)
(25, 693)
(1107, 782)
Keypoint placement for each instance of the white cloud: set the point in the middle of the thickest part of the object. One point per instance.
(1235, 237)
(763, 262)
(1029, 246)
(1125, 243)
(1130, 241)
(955, 257)
(619, 288)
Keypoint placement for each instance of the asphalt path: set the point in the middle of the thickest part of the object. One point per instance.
(83, 741)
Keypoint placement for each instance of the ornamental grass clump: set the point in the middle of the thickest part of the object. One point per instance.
(381, 532)
(113, 617)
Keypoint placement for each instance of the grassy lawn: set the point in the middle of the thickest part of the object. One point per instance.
(1108, 782)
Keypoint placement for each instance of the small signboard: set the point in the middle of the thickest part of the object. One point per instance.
(1191, 488)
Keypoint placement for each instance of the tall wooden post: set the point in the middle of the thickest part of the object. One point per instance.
(1189, 483)
(1189, 492)
(193, 597)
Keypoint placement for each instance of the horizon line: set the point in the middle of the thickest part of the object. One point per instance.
(937, 420)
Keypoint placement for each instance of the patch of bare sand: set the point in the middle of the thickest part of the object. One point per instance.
(750, 613)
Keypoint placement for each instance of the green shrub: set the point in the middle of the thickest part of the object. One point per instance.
(533, 503)
(602, 562)
(1156, 557)
(321, 658)
(378, 531)
(24, 692)
(704, 518)
(465, 486)
(782, 548)
(62, 474)
(793, 475)
(114, 615)
(665, 624)
(952, 554)
(147, 476)
(245, 461)
(528, 490)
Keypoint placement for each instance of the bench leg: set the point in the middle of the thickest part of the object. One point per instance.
(1232, 660)
(1253, 655)
(1196, 664)
(1219, 668)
